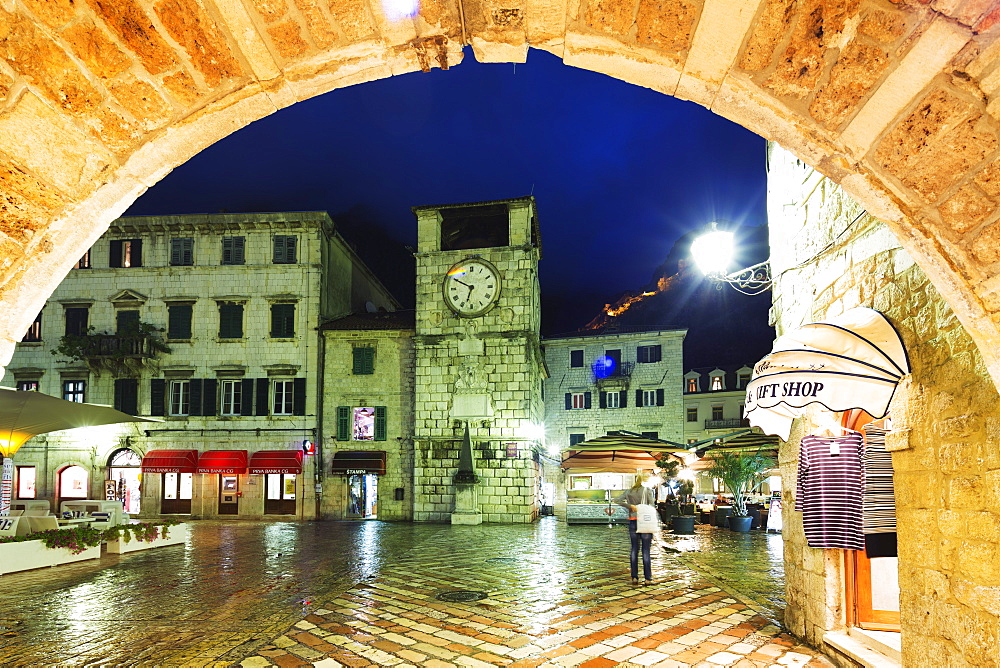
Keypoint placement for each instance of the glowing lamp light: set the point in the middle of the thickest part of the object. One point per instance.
(532, 432)
(400, 9)
(687, 474)
(604, 366)
(713, 251)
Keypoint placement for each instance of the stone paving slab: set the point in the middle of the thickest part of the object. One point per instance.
(366, 594)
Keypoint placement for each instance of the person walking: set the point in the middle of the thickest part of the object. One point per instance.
(630, 499)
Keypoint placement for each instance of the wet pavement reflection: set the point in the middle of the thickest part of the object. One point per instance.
(367, 593)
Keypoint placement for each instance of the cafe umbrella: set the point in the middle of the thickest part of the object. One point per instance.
(24, 414)
(854, 360)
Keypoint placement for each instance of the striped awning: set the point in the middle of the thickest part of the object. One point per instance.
(276, 461)
(624, 440)
(170, 461)
(225, 462)
(608, 461)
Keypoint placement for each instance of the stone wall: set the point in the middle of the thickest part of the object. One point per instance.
(829, 255)
(665, 420)
(391, 385)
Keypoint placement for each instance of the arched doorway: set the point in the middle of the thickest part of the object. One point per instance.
(73, 482)
(124, 476)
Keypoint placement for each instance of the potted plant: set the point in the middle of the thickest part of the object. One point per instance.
(739, 472)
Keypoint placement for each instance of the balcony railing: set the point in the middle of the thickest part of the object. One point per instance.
(728, 423)
(110, 345)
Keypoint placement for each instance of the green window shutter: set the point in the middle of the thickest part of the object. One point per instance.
(299, 396)
(196, 397)
(282, 320)
(659, 397)
(230, 321)
(127, 395)
(343, 423)
(157, 392)
(179, 321)
(263, 396)
(115, 260)
(246, 396)
(380, 423)
(209, 396)
(232, 250)
(364, 361)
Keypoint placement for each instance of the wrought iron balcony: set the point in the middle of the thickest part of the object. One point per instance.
(110, 345)
(620, 375)
(728, 423)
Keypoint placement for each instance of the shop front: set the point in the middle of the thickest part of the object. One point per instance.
(227, 466)
(361, 470)
(282, 472)
(168, 479)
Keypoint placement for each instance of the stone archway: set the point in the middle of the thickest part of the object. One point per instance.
(894, 100)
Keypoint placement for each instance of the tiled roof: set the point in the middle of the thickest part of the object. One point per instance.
(405, 319)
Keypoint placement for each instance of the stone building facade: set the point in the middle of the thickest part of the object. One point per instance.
(614, 381)
(236, 298)
(368, 370)
(828, 255)
(478, 364)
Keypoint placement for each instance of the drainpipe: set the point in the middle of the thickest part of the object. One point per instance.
(318, 434)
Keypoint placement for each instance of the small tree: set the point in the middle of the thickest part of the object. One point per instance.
(739, 471)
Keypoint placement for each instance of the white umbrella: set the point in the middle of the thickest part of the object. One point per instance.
(27, 414)
(852, 361)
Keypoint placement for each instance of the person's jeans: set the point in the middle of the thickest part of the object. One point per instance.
(633, 558)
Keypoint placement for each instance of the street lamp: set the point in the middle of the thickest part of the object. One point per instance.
(713, 251)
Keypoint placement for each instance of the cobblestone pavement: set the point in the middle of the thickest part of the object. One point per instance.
(367, 594)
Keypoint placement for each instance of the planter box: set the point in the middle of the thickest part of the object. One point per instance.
(176, 535)
(31, 554)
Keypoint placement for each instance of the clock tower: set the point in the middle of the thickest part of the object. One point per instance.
(478, 362)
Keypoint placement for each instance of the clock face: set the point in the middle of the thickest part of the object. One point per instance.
(471, 287)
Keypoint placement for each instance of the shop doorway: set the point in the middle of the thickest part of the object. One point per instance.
(362, 496)
(177, 489)
(123, 479)
(229, 492)
(279, 493)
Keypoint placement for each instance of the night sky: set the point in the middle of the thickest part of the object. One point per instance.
(619, 172)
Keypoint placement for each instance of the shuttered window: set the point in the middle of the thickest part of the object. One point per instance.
(232, 250)
(282, 321)
(179, 321)
(127, 395)
(343, 423)
(182, 251)
(285, 249)
(230, 320)
(364, 360)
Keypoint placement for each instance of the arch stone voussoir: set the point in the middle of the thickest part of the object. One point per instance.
(897, 102)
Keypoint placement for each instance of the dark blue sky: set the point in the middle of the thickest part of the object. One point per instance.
(619, 171)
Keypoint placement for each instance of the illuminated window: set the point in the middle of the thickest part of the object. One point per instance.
(692, 385)
(361, 423)
(73, 390)
(34, 333)
(717, 383)
(25, 482)
(125, 253)
(692, 414)
(364, 423)
(284, 395)
(73, 483)
(83, 262)
(27, 386)
(180, 398)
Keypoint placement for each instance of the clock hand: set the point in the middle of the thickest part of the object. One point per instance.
(462, 283)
